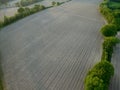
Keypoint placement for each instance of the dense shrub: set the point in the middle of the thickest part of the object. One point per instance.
(99, 76)
(116, 21)
(112, 40)
(108, 45)
(26, 2)
(1, 24)
(55, 3)
(6, 20)
(109, 30)
(21, 10)
(114, 5)
(117, 14)
(37, 8)
(107, 12)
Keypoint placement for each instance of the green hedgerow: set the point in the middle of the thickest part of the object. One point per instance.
(108, 45)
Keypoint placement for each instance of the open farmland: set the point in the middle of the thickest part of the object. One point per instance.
(53, 49)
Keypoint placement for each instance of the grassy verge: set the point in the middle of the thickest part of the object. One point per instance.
(98, 78)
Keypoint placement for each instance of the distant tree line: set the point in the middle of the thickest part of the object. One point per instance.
(24, 12)
(26, 2)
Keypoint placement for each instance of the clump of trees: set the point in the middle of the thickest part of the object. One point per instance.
(107, 12)
(112, 16)
(55, 3)
(99, 76)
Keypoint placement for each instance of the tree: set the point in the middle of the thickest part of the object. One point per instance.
(99, 76)
(21, 10)
(109, 30)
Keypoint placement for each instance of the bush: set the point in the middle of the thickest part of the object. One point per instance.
(12, 19)
(55, 3)
(116, 21)
(109, 30)
(108, 45)
(21, 10)
(99, 76)
(42, 7)
(117, 14)
(1, 24)
(37, 8)
(27, 2)
(107, 12)
(6, 21)
(112, 40)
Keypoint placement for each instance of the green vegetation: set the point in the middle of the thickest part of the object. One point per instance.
(98, 77)
(116, 21)
(107, 13)
(109, 30)
(1, 76)
(114, 5)
(25, 11)
(113, 18)
(108, 45)
(115, 0)
(55, 3)
(110, 11)
(22, 12)
(1, 81)
(27, 2)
